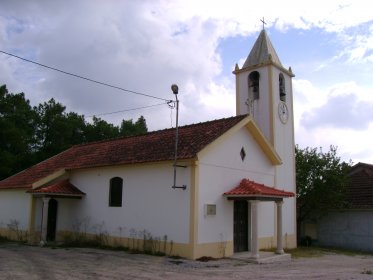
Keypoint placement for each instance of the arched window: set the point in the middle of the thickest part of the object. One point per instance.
(254, 85)
(282, 90)
(115, 193)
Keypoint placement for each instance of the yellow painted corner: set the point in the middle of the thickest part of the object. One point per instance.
(49, 178)
(266, 147)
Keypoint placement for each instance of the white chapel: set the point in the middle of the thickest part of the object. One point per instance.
(237, 173)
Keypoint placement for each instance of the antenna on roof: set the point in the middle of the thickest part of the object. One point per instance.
(175, 90)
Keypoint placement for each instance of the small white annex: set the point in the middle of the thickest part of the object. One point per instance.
(235, 179)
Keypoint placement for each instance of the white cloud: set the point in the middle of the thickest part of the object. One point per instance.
(344, 106)
(341, 116)
(148, 45)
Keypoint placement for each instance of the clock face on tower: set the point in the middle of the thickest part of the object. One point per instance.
(283, 112)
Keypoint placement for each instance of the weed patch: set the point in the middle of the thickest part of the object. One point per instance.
(367, 271)
(313, 252)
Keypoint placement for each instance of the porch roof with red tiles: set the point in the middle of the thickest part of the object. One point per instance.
(251, 189)
(155, 146)
(60, 188)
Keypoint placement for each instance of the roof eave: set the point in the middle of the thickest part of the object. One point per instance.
(266, 63)
(51, 194)
(255, 197)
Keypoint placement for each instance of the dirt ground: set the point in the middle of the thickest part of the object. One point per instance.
(30, 262)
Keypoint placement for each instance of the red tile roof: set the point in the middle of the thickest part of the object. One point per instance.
(63, 187)
(151, 147)
(248, 188)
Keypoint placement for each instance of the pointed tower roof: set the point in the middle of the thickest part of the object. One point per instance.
(262, 51)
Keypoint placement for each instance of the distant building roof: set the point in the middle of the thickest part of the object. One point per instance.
(360, 190)
(262, 52)
(151, 147)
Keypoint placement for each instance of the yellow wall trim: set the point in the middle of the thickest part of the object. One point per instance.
(289, 241)
(258, 136)
(266, 147)
(49, 178)
(214, 250)
(280, 67)
(163, 246)
(193, 216)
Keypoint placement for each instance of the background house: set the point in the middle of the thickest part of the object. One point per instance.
(352, 228)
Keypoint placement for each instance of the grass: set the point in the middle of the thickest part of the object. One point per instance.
(312, 252)
(4, 239)
(305, 252)
(369, 272)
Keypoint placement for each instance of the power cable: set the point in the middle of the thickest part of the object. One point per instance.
(133, 109)
(84, 78)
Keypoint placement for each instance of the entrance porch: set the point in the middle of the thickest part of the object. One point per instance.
(49, 214)
(246, 197)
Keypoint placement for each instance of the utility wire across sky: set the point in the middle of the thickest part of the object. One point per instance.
(126, 110)
(85, 78)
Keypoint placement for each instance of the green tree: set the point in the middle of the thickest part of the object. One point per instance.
(100, 130)
(128, 128)
(76, 132)
(17, 126)
(141, 126)
(31, 134)
(52, 128)
(321, 182)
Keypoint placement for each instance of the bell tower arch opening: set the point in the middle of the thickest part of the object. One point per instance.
(282, 89)
(253, 91)
(253, 81)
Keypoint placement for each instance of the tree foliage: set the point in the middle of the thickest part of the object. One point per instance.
(321, 182)
(31, 134)
(17, 126)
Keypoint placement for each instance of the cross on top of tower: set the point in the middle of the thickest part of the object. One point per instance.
(262, 20)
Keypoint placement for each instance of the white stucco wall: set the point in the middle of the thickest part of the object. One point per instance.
(148, 203)
(348, 229)
(14, 206)
(221, 169)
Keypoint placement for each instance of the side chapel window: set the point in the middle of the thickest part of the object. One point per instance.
(115, 193)
(281, 83)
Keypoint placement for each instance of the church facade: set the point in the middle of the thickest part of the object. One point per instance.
(234, 190)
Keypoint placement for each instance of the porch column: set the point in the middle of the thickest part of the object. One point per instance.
(44, 222)
(279, 249)
(254, 229)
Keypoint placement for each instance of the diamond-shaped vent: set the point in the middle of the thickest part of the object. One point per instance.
(242, 154)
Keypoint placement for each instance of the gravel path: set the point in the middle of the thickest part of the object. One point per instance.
(29, 262)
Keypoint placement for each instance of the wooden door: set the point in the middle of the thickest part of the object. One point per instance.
(52, 220)
(241, 226)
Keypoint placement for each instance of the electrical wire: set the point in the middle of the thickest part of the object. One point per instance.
(84, 78)
(133, 109)
(171, 105)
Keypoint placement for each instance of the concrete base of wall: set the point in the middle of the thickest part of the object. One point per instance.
(264, 257)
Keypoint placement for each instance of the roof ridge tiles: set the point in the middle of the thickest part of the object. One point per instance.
(153, 146)
(155, 132)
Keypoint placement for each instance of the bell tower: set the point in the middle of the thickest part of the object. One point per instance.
(264, 90)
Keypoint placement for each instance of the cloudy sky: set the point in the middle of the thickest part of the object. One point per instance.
(145, 46)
